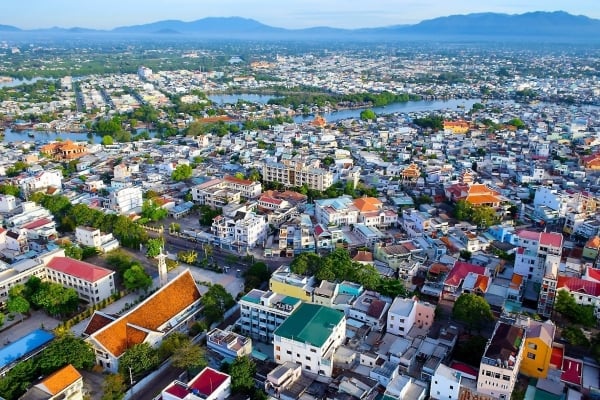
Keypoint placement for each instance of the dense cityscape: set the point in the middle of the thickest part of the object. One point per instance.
(230, 219)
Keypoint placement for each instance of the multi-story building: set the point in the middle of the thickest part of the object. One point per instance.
(242, 230)
(310, 337)
(415, 222)
(372, 214)
(64, 384)
(285, 282)
(370, 309)
(501, 360)
(125, 200)
(263, 312)
(296, 173)
(8, 203)
(401, 316)
(92, 237)
(537, 251)
(228, 344)
(296, 236)
(92, 283)
(42, 180)
(538, 348)
(339, 211)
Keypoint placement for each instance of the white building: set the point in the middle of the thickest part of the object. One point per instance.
(92, 283)
(220, 192)
(7, 203)
(446, 383)
(295, 173)
(92, 237)
(245, 229)
(209, 384)
(125, 200)
(262, 312)
(537, 251)
(339, 211)
(370, 309)
(310, 337)
(41, 181)
(401, 316)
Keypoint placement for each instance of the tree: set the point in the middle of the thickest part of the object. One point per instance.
(74, 251)
(137, 278)
(473, 310)
(484, 216)
(368, 115)
(463, 210)
(306, 264)
(215, 302)
(140, 358)
(182, 172)
(576, 313)
(154, 247)
(173, 341)
(465, 255)
(107, 140)
(113, 387)
(56, 299)
(190, 356)
(153, 211)
(64, 350)
(242, 372)
(207, 215)
(18, 304)
(188, 257)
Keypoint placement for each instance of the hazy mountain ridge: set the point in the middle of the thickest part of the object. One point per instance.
(558, 24)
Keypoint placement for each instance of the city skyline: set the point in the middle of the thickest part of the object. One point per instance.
(293, 14)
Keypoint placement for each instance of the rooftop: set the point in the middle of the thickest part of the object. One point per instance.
(505, 343)
(310, 323)
(79, 269)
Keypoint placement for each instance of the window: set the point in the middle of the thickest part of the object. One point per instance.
(289, 352)
(532, 346)
(531, 356)
(277, 348)
(308, 358)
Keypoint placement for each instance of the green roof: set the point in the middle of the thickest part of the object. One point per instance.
(251, 299)
(289, 300)
(310, 323)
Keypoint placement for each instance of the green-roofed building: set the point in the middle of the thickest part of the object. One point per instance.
(310, 336)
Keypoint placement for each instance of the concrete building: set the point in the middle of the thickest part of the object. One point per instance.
(401, 316)
(64, 384)
(209, 384)
(261, 313)
(310, 337)
(501, 360)
(285, 282)
(243, 230)
(125, 200)
(228, 344)
(537, 252)
(296, 173)
(92, 237)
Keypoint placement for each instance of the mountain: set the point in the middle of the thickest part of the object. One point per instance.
(9, 28)
(534, 24)
(555, 26)
(206, 27)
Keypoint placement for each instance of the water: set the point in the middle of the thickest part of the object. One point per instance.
(45, 136)
(233, 98)
(23, 346)
(17, 82)
(409, 106)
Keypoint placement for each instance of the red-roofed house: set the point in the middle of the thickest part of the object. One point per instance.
(92, 283)
(170, 309)
(454, 281)
(209, 384)
(584, 292)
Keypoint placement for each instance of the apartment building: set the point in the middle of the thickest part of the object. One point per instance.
(536, 251)
(242, 230)
(285, 282)
(501, 360)
(92, 283)
(538, 348)
(209, 384)
(261, 313)
(92, 237)
(310, 337)
(42, 180)
(296, 173)
(125, 200)
(401, 316)
(339, 211)
(296, 236)
(370, 309)
(228, 344)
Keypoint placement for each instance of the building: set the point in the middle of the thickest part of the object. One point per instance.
(538, 348)
(476, 194)
(501, 360)
(50, 181)
(370, 309)
(282, 377)
(228, 344)
(285, 282)
(91, 237)
(64, 384)
(173, 308)
(296, 173)
(457, 127)
(296, 236)
(261, 313)
(446, 383)
(220, 192)
(209, 384)
(91, 282)
(372, 214)
(125, 200)
(401, 316)
(537, 252)
(64, 151)
(310, 337)
(240, 231)
(339, 211)
(8, 203)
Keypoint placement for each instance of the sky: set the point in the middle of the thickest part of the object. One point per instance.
(107, 14)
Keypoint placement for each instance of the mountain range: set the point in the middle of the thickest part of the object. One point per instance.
(549, 25)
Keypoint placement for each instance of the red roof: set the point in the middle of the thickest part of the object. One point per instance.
(460, 271)
(529, 235)
(594, 274)
(207, 381)
(556, 359)
(571, 371)
(467, 369)
(551, 239)
(79, 269)
(239, 181)
(178, 390)
(37, 223)
(578, 285)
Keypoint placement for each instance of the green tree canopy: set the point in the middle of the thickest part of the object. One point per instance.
(55, 299)
(153, 211)
(136, 278)
(368, 115)
(216, 301)
(473, 310)
(18, 304)
(576, 313)
(182, 172)
(154, 247)
(242, 372)
(140, 358)
(113, 387)
(189, 356)
(107, 140)
(65, 350)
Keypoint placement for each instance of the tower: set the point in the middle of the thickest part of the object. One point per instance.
(162, 268)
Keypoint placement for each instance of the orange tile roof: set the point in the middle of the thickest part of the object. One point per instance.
(482, 283)
(516, 281)
(593, 243)
(482, 199)
(365, 204)
(154, 312)
(60, 380)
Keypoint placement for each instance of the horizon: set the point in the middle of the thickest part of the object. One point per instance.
(294, 14)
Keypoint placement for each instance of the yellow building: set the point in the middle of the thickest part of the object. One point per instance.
(538, 349)
(457, 127)
(285, 282)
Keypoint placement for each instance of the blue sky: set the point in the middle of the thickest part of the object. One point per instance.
(104, 14)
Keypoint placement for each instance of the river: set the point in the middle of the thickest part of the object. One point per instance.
(44, 136)
(17, 82)
(233, 98)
